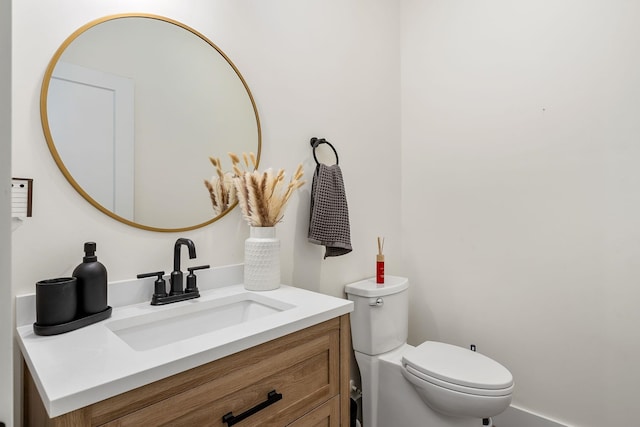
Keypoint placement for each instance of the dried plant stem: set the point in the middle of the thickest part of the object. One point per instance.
(222, 190)
(261, 195)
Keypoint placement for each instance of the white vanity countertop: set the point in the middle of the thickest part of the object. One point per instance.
(85, 366)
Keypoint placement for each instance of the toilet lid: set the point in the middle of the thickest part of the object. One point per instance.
(457, 365)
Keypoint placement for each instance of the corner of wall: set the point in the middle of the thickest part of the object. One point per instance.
(7, 407)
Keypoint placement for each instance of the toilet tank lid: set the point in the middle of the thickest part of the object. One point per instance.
(369, 287)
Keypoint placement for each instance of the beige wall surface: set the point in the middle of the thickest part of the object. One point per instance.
(520, 199)
(507, 196)
(309, 79)
(6, 304)
(315, 68)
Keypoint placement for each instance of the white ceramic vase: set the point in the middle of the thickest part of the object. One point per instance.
(262, 259)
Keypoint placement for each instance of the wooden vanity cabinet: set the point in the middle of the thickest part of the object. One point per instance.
(309, 368)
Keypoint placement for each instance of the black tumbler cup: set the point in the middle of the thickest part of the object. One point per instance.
(56, 301)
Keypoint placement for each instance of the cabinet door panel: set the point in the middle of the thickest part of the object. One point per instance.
(327, 415)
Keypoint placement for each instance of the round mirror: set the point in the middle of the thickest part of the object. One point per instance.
(132, 107)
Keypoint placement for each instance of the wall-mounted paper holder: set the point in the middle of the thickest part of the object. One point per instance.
(21, 197)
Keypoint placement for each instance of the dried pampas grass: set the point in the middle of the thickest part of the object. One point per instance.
(262, 196)
(222, 189)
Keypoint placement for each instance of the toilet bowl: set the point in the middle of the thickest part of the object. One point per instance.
(431, 384)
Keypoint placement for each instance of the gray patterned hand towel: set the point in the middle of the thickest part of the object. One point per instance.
(329, 222)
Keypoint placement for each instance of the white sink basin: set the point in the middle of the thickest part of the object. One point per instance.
(192, 318)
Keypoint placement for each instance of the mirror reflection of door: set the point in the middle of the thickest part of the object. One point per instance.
(92, 120)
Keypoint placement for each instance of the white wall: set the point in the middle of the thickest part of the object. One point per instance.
(326, 68)
(6, 303)
(520, 200)
(308, 80)
(517, 176)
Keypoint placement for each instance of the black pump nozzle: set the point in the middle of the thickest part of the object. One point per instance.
(90, 252)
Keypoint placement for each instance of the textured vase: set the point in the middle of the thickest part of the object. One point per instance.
(262, 259)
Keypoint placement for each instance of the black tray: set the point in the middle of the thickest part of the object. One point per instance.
(73, 325)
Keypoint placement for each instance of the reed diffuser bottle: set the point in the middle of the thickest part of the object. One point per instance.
(380, 262)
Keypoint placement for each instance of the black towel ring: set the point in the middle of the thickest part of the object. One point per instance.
(317, 141)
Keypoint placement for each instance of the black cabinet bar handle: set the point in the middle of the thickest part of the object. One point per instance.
(272, 397)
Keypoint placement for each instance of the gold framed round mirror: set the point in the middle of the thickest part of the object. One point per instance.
(132, 106)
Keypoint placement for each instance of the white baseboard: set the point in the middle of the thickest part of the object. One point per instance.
(517, 417)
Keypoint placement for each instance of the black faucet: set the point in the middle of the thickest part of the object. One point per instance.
(177, 292)
(176, 274)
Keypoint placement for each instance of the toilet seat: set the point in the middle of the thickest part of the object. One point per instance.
(458, 369)
(408, 370)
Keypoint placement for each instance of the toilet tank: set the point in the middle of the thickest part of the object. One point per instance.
(380, 318)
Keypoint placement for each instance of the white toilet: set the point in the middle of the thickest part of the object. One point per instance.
(433, 384)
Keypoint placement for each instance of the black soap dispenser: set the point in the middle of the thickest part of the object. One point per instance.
(92, 282)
